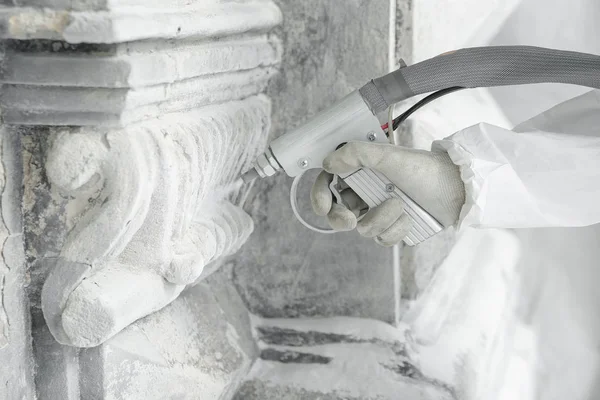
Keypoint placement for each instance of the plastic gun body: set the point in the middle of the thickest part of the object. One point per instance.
(305, 148)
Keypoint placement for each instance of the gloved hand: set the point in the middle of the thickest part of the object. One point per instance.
(430, 178)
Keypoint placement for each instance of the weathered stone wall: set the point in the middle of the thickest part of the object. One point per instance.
(16, 366)
(285, 270)
(127, 124)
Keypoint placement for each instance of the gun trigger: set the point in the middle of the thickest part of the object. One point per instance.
(336, 187)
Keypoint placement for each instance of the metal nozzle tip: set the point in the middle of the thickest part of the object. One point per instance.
(250, 176)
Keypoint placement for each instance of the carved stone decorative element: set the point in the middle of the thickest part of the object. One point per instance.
(150, 209)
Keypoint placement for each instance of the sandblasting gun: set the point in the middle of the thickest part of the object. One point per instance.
(361, 116)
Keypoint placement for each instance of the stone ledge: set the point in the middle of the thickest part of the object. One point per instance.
(134, 65)
(125, 24)
(48, 105)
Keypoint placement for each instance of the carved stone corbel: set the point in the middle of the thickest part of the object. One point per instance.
(150, 209)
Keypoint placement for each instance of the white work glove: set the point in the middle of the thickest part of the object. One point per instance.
(429, 178)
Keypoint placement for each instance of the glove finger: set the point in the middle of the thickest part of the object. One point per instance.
(320, 194)
(340, 218)
(380, 218)
(395, 233)
(355, 155)
(353, 201)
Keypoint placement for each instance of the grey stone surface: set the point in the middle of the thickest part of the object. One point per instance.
(57, 366)
(217, 333)
(45, 228)
(65, 373)
(188, 350)
(59, 105)
(225, 293)
(16, 366)
(404, 31)
(286, 270)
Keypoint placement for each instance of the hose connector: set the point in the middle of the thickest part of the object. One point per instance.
(265, 165)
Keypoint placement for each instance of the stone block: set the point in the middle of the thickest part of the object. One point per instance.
(188, 350)
(17, 366)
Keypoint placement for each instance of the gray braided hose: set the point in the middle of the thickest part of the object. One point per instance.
(483, 67)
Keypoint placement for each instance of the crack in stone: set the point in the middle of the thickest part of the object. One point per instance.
(2, 190)
(293, 357)
(410, 371)
(4, 322)
(292, 338)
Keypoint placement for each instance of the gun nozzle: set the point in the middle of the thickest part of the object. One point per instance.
(249, 176)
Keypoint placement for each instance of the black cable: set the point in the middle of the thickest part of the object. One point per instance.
(404, 116)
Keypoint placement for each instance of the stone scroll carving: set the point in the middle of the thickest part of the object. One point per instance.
(151, 209)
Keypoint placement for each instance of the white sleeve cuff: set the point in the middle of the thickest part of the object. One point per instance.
(528, 179)
(471, 212)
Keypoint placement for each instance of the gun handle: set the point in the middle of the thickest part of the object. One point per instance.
(375, 188)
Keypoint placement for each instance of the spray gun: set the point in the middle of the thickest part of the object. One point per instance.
(359, 116)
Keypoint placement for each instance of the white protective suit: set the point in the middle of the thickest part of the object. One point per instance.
(543, 173)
